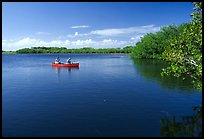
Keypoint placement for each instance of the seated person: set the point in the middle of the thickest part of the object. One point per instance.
(57, 60)
(69, 60)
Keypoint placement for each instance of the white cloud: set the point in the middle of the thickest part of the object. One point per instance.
(107, 40)
(30, 42)
(115, 37)
(24, 42)
(137, 37)
(81, 26)
(107, 32)
(118, 32)
(76, 33)
(3, 42)
(130, 30)
(42, 33)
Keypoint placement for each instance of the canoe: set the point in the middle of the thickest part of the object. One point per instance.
(65, 65)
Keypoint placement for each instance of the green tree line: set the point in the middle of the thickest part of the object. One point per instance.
(63, 50)
(179, 45)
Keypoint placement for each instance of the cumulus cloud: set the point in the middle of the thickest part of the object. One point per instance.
(105, 38)
(81, 26)
(22, 43)
(30, 42)
(76, 33)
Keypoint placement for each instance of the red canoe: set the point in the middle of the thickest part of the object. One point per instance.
(65, 65)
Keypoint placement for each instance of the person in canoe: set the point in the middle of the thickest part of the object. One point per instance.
(57, 60)
(69, 60)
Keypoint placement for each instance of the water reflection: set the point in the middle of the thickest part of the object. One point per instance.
(151, 70)
(188, 126)
(68, 69)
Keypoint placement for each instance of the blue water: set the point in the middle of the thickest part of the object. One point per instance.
(108, 95)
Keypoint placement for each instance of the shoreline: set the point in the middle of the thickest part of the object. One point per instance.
(13, 53)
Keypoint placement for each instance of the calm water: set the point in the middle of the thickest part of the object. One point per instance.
(108, 95)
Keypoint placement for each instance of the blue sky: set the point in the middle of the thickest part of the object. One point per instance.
(86, 24)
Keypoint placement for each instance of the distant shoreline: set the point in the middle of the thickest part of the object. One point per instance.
(14, 53)
(64, 50)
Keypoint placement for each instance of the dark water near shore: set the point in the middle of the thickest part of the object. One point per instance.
(108, 95)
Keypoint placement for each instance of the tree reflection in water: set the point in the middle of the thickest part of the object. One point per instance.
(150, 69)
(188, 126)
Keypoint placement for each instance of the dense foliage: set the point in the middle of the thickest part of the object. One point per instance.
(153, 45)
(180, 45)
(126, 49)
(185, 51)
